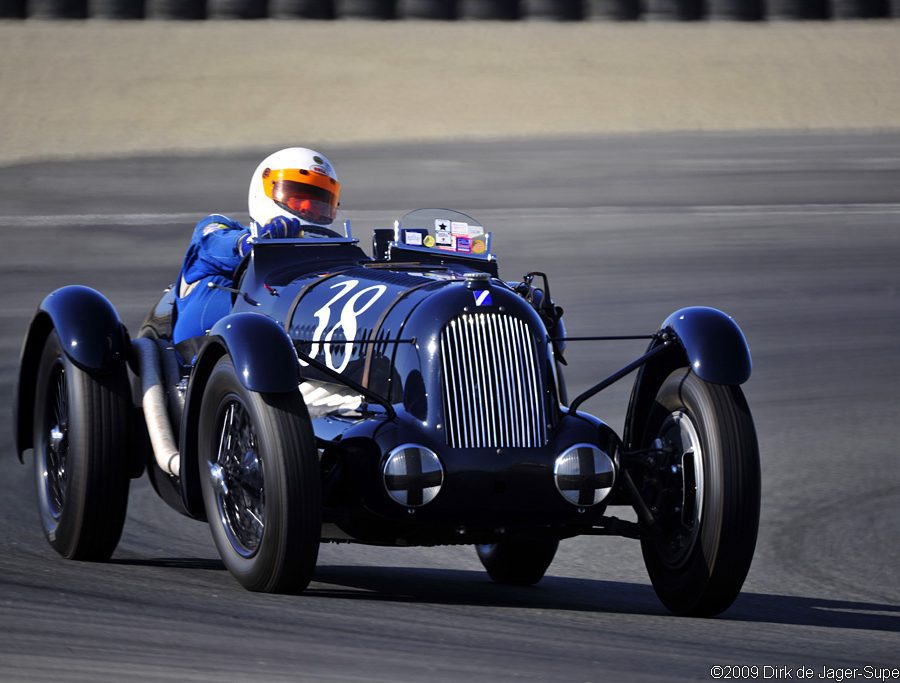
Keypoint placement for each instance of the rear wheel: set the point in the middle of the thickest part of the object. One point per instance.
(704, 486)
(517, 563)
(80, 455)
(259, 474)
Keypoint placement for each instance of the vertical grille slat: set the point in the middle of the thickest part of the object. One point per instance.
(492, 385)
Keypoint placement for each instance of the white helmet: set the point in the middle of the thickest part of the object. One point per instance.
(295, 183)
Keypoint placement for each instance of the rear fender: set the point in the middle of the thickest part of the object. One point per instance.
(266, 362)
(91, 336)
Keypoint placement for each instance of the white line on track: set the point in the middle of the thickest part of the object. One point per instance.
(189, 219)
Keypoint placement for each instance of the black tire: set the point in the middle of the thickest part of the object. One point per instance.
(517, 563)
(366, 9)
(116, 9)
(58, 9)
(302, 9)
(12, 9)
(558, 10)
(237, 9)
(674, 10)
(80, 455)
(277, 482)
(707, 506)
(737, 10)
(505, 10)
(176, 9)
(799, 9)
(441, 10)
(615, 10)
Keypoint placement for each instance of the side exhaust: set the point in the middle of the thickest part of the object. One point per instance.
(165, 449)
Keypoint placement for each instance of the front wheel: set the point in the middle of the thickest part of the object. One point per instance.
(705, 487)
(259, 474)
(517, 562)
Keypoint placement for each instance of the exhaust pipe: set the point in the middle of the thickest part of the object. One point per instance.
(153, 402)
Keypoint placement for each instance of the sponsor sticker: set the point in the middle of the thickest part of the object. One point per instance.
(463, 245)
(478, 247)
(414, 238)
(428, 241)
(440, 224)
(459, 228)
(482, 297)
(476, 231)
(449, 247)
(443, 238)
(319, 169)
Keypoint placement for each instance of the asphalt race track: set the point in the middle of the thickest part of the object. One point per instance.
(797, 236)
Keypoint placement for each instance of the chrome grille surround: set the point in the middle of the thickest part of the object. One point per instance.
(493, 394)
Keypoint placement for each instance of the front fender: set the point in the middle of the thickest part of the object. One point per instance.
(91, 336)
(713, 343)
(707, 340)
(262, 352)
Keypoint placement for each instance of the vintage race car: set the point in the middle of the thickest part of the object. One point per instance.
(408, 398)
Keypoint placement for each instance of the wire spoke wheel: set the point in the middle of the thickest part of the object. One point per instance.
(684, 488)
(236, 474)
(260, 481)
(54, 453)
(704, 494)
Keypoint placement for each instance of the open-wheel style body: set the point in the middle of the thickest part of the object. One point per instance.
(410, 397)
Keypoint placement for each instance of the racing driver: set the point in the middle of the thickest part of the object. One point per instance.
(293, 193)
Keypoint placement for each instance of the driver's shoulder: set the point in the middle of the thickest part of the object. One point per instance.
(215, 222)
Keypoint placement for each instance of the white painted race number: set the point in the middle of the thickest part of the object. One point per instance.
(353, 307)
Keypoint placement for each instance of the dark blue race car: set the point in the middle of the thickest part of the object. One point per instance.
(412, 397)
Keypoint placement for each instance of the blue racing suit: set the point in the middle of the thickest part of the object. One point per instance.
(216, 248)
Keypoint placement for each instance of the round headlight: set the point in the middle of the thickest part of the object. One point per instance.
(584, 474)
(413, 475)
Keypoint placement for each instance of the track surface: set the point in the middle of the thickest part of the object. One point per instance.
(796, 236)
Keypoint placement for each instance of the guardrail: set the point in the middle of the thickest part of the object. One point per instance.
(451, 10)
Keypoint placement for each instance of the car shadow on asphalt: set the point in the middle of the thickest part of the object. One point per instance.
(174, 562)
(462, 587)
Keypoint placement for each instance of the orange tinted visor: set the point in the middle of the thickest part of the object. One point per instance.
(308, 195)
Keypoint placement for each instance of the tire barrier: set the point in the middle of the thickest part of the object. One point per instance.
(366, 9)
(861, 9)
(799, 9)
(238, 9)
(558, 10)
(176, 9)
(12, 9)
(116, 9)
(507, 10)
(58, 9)
(677, 10)
(615, 10)
(443, 10)
(303, 9)
(449, 10)
(736, 10)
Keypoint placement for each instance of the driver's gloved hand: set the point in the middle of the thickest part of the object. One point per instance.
(281, 228)
(276, 229)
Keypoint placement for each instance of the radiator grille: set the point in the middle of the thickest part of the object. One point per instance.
(492, 383)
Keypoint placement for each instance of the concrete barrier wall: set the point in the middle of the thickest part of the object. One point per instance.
(450, 10)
